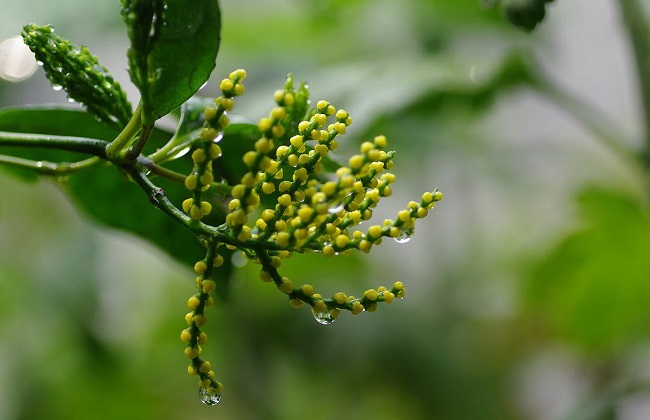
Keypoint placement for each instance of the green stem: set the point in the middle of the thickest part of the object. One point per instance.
(124, 139)
(159, 199)
(216, 187)
(171, 149)
(161, 171)
(73, 144)
(592, 120)
(639, 35)
(48, 168)
(219, 233)
(139, 144)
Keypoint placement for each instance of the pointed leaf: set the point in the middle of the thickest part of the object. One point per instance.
(173, 50)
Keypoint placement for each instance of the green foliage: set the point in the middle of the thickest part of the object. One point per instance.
(507, 299)
(592, 288)
(173, 50)
(526, 14)
(279, 202)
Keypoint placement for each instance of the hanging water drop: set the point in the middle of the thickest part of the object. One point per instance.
(209, 396)
(404, 236)
(325, 318)
(57, 87)
(338, 208)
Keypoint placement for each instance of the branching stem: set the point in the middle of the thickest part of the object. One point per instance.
(125, 138)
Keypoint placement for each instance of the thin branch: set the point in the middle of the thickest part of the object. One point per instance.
(73, 144)
(124, 139)
(139, 144)
(48, 168)
(639, 36)
(598, 124)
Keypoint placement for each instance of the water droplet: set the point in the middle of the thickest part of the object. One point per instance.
(218, 138)
(336, 209)
(239, 259)
(404, 236)
(57, 87)
(71, 100)
(208, 396)
(324, 318)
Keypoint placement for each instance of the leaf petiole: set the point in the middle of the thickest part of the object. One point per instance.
(116, 148)
(48, 168)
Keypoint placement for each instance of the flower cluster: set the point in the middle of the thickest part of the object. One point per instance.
(286, 202)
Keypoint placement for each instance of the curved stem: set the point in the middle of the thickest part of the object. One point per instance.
(639, 35)
(592, 120)
(124, 139)
(220, 233)
(139, 144)
(48, 168)
(73, 144)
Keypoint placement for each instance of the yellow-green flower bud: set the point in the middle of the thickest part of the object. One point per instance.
(370, 294)
(186, 336)
(286, 286)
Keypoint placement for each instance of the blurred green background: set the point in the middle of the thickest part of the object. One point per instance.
(528, 287)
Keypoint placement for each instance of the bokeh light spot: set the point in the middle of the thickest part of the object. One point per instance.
(17, 62)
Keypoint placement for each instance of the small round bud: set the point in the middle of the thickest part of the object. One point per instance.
(286, 286)
(210, 113)
(404, 215)
(193, 303)
(191, 352)
(307, 289)
(200, 267)
(199, 320)
(328, 251)
(186, 336)
(265, 276)
(340, 297)
(198, 156)
(297, 303)
(208, 286)
(370, 294)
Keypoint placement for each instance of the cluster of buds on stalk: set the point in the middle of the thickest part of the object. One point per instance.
(292, 198)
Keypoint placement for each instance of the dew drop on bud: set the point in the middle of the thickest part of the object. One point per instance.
(209, 397)
(336, 209)
(404, 236)
(324, 318)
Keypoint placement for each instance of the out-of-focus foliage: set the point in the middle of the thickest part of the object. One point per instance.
(593, 289)
(516, 306)
(524, 13)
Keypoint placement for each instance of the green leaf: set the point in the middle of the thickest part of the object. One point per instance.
(54, 120)
(102, 191)
(173, 50)
(79, 73)
(594, 286)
